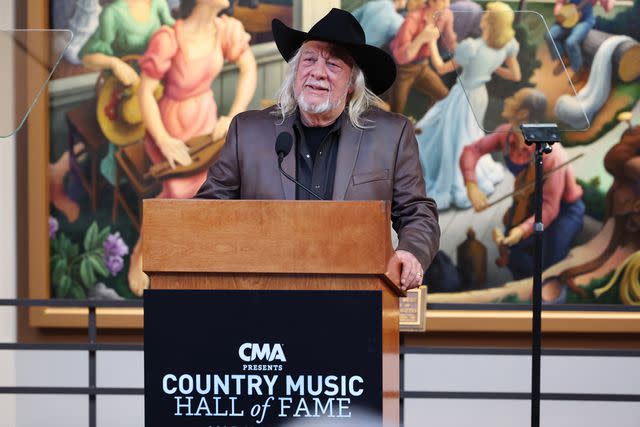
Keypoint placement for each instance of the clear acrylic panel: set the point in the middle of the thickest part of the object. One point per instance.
(510, 73)
(29, 59)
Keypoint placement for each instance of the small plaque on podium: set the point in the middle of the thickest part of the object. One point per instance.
(412, 310)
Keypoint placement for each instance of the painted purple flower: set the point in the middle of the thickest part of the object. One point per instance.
(53, 227)
(114, 264)
(114, 246)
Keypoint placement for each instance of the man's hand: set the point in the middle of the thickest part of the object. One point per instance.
(429, 33)
(513, 238)
(477, 198)
(411, 276)
(497, 235)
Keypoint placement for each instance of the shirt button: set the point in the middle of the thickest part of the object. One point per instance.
(317, 187)
(308, 156)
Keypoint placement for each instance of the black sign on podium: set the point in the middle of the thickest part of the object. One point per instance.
(262, 358)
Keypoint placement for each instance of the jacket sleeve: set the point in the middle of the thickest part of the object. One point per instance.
(223, 177)
(414, 216)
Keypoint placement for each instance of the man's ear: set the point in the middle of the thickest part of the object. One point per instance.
(352, 86)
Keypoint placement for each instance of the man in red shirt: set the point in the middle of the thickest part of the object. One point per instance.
(562, 206)
(410, 49)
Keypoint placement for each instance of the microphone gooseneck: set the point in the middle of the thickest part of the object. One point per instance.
(284, 142)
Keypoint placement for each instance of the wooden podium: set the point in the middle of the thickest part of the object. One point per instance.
(280, 245)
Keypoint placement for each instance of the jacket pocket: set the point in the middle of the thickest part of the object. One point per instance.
(363, 178)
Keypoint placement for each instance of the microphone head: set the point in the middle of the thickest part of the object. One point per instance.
(284, 142)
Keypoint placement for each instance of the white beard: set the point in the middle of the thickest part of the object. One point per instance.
(320, 108)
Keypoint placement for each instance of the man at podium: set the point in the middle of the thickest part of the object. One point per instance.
(327, 138)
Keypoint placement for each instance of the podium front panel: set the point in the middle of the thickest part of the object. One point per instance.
(263, 358)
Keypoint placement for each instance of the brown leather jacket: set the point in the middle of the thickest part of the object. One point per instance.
(376, 163)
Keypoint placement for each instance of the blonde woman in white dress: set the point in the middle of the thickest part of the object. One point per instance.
(455, 121)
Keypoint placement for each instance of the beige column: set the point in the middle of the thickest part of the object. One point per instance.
(8, 272)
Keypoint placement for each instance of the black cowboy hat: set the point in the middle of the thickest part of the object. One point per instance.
(341, 28)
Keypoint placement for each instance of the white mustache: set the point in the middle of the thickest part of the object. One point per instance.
(317, 83)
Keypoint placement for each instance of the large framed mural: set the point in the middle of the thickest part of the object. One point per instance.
(591, 279)
(121, 80)
(100, 160)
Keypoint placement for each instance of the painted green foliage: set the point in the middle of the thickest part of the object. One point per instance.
(75, 268)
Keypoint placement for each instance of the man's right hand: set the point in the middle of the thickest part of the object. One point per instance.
(477, 198)
(429, 33)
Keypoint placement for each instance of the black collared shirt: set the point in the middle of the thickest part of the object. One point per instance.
(317, 149)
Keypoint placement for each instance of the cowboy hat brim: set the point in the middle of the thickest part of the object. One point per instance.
(378, 67)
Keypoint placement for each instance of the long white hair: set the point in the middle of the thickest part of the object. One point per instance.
(360, 101)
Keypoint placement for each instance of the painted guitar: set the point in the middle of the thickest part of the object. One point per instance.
(522, 206)
(570, 14)
(203, 151)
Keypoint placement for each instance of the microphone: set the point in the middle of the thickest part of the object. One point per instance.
(284, 142)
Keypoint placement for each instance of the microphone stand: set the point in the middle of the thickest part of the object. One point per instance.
(292, 179)
(543, 136)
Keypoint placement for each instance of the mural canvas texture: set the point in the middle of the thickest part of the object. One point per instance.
(137, 127)
(582, 75)
(156, 84)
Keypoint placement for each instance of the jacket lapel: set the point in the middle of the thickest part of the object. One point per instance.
(348, 147)
(289, 162)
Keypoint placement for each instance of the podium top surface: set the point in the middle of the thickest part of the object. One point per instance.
(251, 236)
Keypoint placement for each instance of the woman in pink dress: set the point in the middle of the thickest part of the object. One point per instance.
(186, 59)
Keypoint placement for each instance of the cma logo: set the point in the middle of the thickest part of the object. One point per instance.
(266, 352)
